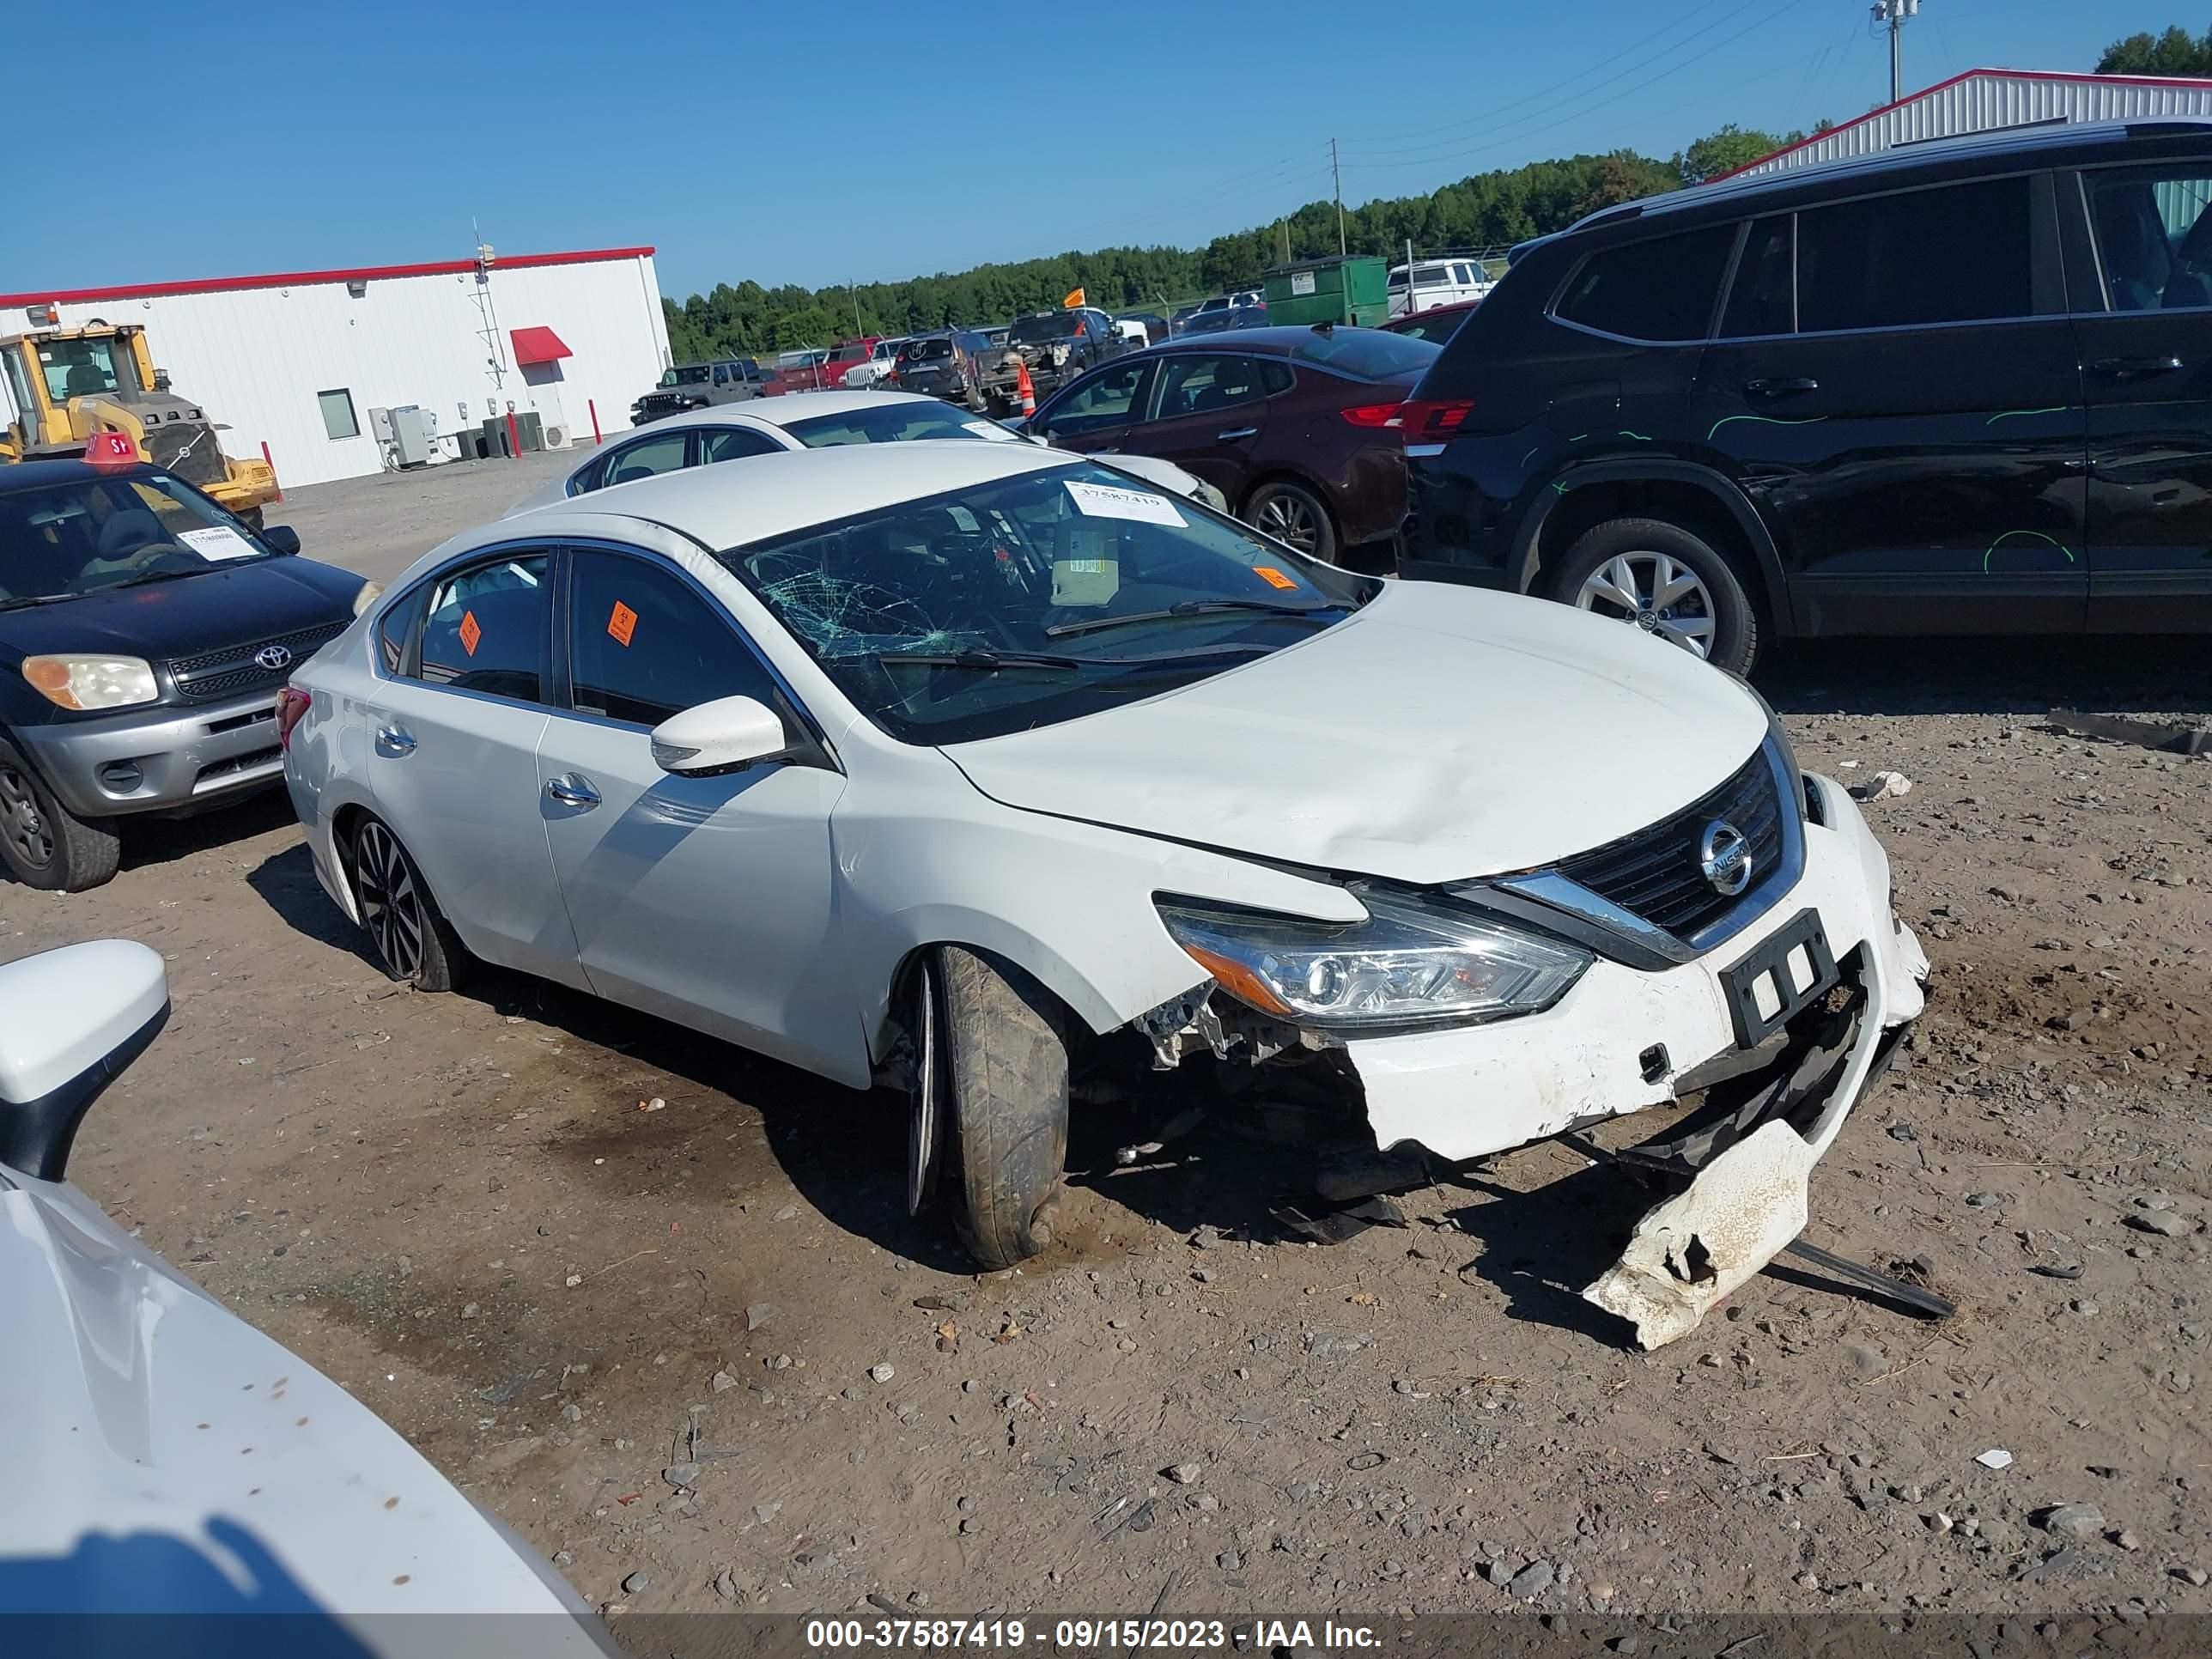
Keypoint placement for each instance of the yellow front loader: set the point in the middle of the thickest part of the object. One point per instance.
(69, 384)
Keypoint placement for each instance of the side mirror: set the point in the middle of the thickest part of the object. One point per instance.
(717, 737)
(70, 1021)
(281, 537)
(1034, 436)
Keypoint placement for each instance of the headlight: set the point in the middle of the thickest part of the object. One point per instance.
(1409, 964)
(367, 597)
(91, 682)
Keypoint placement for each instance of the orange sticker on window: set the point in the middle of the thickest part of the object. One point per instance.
(622, 624)
(1272, 577)
(470, 632)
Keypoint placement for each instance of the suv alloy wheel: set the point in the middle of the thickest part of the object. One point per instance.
(1664, 580)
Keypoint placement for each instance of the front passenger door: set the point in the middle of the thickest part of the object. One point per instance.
(1096, 413)
(2147, 342)
(709, 901)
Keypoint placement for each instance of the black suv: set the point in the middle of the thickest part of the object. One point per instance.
(947, 364)
(1958, 387)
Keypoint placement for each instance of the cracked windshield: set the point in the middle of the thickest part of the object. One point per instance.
(1025, 601)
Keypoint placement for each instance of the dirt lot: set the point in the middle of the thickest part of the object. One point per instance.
(457, 1206)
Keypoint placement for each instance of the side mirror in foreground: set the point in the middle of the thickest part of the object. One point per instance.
(72, 1021)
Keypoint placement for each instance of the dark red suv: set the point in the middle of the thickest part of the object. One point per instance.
(1290, 424)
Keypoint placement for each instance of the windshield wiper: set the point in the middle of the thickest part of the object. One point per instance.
(151, 576)
(980, 660)
(1187, 608)
(28, 599)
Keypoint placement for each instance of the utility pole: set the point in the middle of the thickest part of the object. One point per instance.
(1891, 15)
(855, 293)
(1337, 174)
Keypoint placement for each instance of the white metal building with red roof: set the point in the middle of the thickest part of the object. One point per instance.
(298, 360)
(1989, 100)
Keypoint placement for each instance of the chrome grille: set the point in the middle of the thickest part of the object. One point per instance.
(232, 671)
(1654, 873)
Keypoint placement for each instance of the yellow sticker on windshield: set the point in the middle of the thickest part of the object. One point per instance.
(1272, 577)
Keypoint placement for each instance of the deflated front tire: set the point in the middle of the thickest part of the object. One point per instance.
(1005, 1088)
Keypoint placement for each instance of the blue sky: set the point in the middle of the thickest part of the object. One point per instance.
(301, 137)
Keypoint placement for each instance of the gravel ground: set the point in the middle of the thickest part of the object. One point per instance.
(657, 1304)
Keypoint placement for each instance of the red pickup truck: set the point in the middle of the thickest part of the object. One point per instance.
(828, 375)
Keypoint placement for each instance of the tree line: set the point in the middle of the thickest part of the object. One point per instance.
(1485, 210)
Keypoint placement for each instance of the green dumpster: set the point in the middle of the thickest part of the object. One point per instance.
(1333, 290)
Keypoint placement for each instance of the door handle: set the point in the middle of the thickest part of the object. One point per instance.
(394, 740)
(1235, 433)
(2134, 369)
(571, 789)
(1780, 388)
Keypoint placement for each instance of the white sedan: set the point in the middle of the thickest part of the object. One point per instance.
(821, 420)
(978, 767)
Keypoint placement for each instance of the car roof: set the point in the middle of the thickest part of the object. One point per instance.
(773, 494)
(36, 475)
(784, 411)
(1280, 341)
(1898, 159)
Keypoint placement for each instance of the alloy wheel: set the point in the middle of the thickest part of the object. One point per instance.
(1288, 519)
(1657, 593)
(22, 823)
(391, 904)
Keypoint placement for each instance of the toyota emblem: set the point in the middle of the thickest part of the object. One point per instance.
(1725, 857)
(274, 657)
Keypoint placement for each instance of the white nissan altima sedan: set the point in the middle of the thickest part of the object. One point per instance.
(976, 766)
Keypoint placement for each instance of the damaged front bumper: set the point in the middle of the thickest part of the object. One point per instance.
(1626, 1039)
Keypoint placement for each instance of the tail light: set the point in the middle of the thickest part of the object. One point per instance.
(1424, 421)
(292, 704)
(1370, 414)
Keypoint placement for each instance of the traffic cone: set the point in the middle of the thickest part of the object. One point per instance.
(1027, 387)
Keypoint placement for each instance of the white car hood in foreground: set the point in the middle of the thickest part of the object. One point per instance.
(1441, 734)
(164, 1456)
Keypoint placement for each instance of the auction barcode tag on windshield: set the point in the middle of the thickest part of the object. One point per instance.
(217, 542)
(1111, 502)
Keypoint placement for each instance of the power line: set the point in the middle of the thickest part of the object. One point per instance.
(1581, 73)
(1488, 121)
(1575, 115)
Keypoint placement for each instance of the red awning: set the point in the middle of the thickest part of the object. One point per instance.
(537, 345)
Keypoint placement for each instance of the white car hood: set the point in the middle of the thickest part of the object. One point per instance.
(1441, 734)
(168, 1457)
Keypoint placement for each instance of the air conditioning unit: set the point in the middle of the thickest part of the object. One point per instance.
(556, 437)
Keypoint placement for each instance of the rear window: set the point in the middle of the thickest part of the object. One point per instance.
(1053, 326)
(1661, 289)
(1956, 254)
(1434, 327)
(918, 351)
(1369, 353)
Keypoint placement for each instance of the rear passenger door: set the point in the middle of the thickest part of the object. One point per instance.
(1897, 387)
(2142, 304)
(454, 757)
(649, 457)
(1207, 413)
